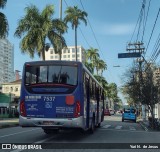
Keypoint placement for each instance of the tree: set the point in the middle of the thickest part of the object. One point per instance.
(91, 57)
(90, 67)
(74, 16)
(141, 90)
(37, 27)
(100, 65)
(4, 27)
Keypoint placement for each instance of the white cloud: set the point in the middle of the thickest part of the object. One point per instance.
(117, 29)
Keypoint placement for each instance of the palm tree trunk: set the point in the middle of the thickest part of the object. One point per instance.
(76, 41)
(60, 55)
(43, 54)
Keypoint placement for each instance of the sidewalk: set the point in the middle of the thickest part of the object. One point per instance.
(8, 122)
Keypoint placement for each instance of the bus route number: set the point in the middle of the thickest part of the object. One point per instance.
(49, 98)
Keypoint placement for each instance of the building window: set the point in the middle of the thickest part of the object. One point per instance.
(78, 49)
(56, 57)
(73, 56)
(11, 89)
(51, 57)
(68, 50)
(51, 52)
(64, 51)
(16, 89)
(7, 89)
(73, 50)
(64, 56)
(68, 56)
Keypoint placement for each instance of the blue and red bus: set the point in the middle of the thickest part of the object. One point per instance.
(58, 95)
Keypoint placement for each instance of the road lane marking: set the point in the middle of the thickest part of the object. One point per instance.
(125, 130)
(118, 127)
(131, 128)
(106, 126)
(18, 133)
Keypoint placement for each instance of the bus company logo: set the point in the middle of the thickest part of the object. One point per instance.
(48, 105)
(6, 146)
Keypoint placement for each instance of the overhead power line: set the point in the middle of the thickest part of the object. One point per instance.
(139, 21)
(146, 20)
(152, 32)
(92, 30)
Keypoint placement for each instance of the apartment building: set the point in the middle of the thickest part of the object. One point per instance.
(6, 61)
(68, 54)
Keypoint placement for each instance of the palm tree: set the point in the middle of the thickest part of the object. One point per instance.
(89, 66)
(100, 65)
(74, 16)
(91, 56)
(4, 27)
(38, 26)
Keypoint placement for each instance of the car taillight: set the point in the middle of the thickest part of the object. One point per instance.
(22, 109)
(77, 109)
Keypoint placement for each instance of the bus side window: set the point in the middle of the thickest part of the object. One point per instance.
(84, 84)
(90, 88)
(94, 91)
(28, 77)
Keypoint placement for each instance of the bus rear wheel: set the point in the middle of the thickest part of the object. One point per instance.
(92, 126)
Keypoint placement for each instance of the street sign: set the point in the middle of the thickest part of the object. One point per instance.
(129, 55)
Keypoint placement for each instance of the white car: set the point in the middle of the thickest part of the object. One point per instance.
(111, 112)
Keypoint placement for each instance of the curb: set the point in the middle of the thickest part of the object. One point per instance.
(8, 125)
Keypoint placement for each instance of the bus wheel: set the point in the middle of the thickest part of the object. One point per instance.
(99, 125)
(92, 126)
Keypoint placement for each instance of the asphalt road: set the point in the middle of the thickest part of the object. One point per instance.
(112, 134)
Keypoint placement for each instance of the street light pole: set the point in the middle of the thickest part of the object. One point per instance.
(60, 17)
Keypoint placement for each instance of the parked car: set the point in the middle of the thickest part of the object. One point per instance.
(129, 114)
(107, 112)
(118, 112)
(111, 112)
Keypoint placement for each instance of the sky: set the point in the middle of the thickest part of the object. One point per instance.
(112, 23)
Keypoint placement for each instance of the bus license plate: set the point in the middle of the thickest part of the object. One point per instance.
(48, 123)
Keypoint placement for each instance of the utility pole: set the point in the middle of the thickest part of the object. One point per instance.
(138, 47)
(60, 17)
(60, 9)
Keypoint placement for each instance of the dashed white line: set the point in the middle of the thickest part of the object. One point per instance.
(132, 128)
(17, 133)
(106, 126)
(118, 127)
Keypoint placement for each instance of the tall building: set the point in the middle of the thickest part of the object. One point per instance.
(68, 54)
(6, 61)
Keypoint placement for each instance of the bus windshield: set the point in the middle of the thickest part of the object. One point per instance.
(50, 74)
